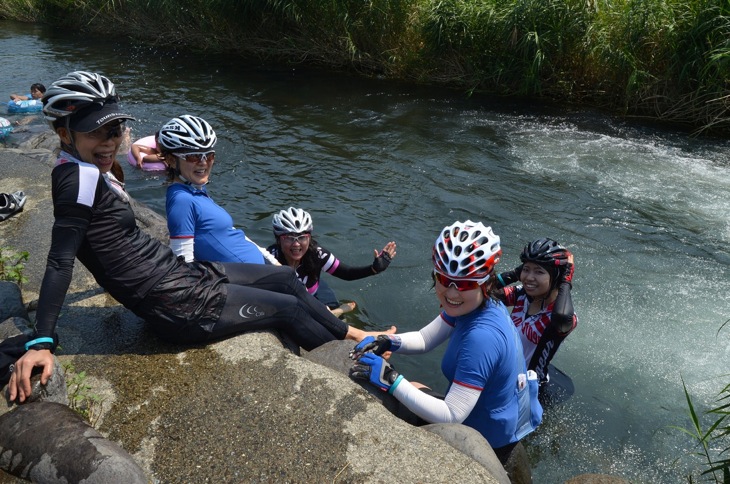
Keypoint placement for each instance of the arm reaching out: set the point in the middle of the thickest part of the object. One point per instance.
(383, 258)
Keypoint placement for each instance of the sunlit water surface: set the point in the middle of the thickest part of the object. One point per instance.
(645, 212)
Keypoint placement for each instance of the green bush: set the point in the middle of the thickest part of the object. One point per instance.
(12, 264)
(663, 59)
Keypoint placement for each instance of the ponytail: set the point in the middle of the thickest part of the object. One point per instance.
(117, 171)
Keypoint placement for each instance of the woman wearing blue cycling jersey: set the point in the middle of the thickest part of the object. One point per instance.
(200, 229)
(483, 358)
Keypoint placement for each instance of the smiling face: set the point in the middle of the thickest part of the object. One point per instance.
(195, 168)
(536, 280)
(294, 246)
(458, 303)
(98, 147)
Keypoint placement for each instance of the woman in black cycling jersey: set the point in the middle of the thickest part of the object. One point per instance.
(542, 305)
(181, 301)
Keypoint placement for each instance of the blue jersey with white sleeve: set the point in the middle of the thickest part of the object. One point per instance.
(192, 214)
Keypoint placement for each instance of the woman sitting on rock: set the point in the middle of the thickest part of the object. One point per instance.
(181, 301)
(200, 229)
(296, 247)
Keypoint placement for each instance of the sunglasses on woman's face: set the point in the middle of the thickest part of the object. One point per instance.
(456, 284)
(108, 131)
(291, 239)
(194, 157)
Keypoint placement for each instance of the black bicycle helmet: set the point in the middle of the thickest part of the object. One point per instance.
(548, 254)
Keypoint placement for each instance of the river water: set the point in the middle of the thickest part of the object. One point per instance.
(644, 210)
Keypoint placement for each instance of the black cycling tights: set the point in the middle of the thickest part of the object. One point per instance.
(270, 297)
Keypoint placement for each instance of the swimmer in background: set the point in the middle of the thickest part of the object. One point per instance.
(36, 92)
(147, 154)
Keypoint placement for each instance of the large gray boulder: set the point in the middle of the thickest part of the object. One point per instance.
(58, 446)
(335, 355)
(11, 302)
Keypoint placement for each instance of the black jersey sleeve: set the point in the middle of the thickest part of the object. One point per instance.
(69, 229)
(349, 273)
(563, 315)
(66, 238)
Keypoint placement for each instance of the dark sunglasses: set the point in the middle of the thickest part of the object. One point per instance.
(106, 132)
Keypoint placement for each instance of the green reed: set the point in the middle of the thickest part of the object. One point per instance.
(664, 59)
(712, 438)
(22, 10)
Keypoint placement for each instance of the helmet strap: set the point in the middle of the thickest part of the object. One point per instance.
(70, 148)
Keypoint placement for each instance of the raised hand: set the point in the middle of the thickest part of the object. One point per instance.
(383, 258)
(567, 269)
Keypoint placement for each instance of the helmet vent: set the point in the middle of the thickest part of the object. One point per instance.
(466, 250)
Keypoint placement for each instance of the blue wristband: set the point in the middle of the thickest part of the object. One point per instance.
(395, 384)
(36, 341)
(501, 281)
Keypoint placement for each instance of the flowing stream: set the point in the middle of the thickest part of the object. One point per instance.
(644, 210)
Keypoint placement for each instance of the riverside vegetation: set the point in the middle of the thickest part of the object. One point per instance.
(666, 60)
(12, 264)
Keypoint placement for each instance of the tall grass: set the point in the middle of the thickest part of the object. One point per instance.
(713, 441)
(664, 59)
(22, 10)
(366, 35)
(525, 47)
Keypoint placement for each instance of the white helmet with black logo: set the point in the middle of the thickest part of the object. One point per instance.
(74, 91)
(187, 133)
(292, 221)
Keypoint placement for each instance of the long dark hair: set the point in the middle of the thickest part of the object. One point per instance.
(117, 171)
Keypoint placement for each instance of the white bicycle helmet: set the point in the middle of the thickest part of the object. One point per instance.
(467, 251)
(292, 221)
(187, 133)
(74, 91)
